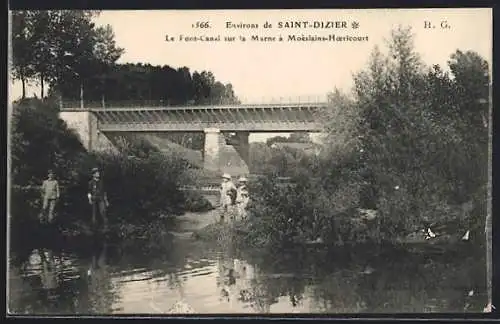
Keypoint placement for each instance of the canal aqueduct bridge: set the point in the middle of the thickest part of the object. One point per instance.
(95, 124)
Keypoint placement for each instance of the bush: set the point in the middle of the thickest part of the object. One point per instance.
(196, 202)
(139, 189)
(287, 214)
(25, 206)
(41, 141)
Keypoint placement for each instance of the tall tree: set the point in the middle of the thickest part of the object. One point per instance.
(22, 64)
(56, 45)
(105, 53)
(84, 50)
(472, 85)
(472, 93)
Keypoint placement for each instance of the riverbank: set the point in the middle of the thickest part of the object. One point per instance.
(418, 242)
(73, 223)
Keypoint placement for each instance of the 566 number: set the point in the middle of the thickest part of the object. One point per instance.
(201, 24)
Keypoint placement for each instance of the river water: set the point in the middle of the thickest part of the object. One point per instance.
(182, 274)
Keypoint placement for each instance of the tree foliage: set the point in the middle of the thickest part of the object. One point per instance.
(296, 137)
(55, 45)
(280, 161)
(410, 142)
(22, 63)
(41, 141)
(122, 83)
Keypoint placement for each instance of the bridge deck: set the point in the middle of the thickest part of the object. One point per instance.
(314, 105)
(283, 117)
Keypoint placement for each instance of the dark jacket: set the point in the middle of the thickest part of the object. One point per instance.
(97, 190)
(232, 193)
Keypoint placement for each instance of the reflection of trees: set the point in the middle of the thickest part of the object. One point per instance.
(414, 284)
(263, 290)
(336, 293)
(433, 284)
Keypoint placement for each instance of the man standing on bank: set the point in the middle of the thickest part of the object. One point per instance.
(98, 198)
(50, 192)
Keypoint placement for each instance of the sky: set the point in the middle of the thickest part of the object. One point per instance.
(263, 71)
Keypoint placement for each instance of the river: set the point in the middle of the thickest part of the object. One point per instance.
(186, 275)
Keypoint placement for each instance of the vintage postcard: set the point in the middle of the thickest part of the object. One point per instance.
(249, 161)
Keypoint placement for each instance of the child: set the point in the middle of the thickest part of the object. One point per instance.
(50, 192)
(227, 192)
(242, 197)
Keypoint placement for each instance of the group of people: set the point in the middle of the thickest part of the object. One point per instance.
(233, 199)
(96, 196)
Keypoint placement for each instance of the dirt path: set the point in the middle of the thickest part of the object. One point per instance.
(190, 222)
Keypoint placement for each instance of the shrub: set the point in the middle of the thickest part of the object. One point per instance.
(196, 202)
(41, 141)
(140, 189)
(25, 206)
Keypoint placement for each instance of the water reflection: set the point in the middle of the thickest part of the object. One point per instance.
(236, 280)
(57, 282)
(98, 291)
(188, 276)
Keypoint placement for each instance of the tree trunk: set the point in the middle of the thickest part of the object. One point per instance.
(23, 82)
(81, 94)
(41, 87)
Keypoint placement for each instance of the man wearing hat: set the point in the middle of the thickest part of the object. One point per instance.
(98, 198)
(227, 195)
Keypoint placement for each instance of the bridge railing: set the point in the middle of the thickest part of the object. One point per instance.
(77, 104)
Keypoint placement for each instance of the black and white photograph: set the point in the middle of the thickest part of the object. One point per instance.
(171, 162)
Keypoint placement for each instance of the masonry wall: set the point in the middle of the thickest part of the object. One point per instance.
(86, 126)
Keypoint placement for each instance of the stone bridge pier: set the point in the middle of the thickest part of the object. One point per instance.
(215, 143)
